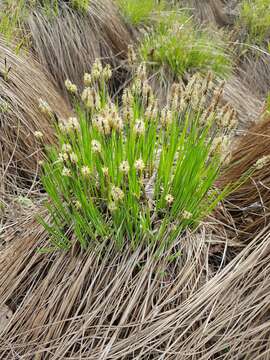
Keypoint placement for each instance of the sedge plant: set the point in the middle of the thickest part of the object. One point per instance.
(140, 11)
(131, 172)
(177, 46)
(255, 16)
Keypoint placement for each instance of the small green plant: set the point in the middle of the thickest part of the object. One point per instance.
(139, 11)
(176, 45)
(255, 16)
(134, 174)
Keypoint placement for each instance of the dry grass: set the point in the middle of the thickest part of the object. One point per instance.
(255, 72)
(68, 44)
(249, 204)
(243, 100)
(208, 11)
(196, 306)
(20, 116)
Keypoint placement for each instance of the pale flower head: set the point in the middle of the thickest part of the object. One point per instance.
(105, 171)
(169, 199)
(73, 158)
(139, 127)
(117, 193)
(88, 97)
(262, 162)
(96, 71)
(85, 171)
(73, 123)
(66, 148)
(186, 215)
(71, 88)
(96, 146)
(44, 107)
(124, 167)
(107, 72)
(87, 79)
(139, 165)
(63, 156)
(77, 205)
(66, 172)
(38, 135)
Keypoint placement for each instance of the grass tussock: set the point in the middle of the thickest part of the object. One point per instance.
(140, 11)
(249, 204)
(255, 16)
(67, 41)
(133, 305)
(211, 12)
(23, 83)
(135, 173)
(177, 45)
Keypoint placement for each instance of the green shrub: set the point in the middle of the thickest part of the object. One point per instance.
(255, 15)
(139, 11)
(176, 44)
(134, 174)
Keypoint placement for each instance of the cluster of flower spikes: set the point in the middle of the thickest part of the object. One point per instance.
(108, 117)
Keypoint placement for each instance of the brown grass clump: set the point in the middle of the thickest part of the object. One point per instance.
(249, 204)
(255, 72)
(23, 83)
(68, 43)
(208, 11)
(243, 100)
(132, 306)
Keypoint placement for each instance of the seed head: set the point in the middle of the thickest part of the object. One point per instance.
(186, 215)
(66, 148)
(131, 56)
(139, 165)
(124, 167)
(73, 124)
(117, 193)
(38, 135)
(87, 79)
(116, 122)
(141, 72)
(139, 127)
(105, 171)
(101, 123)
(96, 146)
(85, 171)
(63, 157)
(77, 205)
(96, 70)
(166, 117)
(262, 162)
(107, 72)
(71, 88)
(88, 97)
(44, 107)
(66, 172)
(73, 158)
(169, 199)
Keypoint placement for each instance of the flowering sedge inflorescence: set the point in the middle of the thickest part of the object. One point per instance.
(134, 172)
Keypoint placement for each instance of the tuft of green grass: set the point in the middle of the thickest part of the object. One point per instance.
(134, 174)
(139, 11)
(176, 45)
(255, 16)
